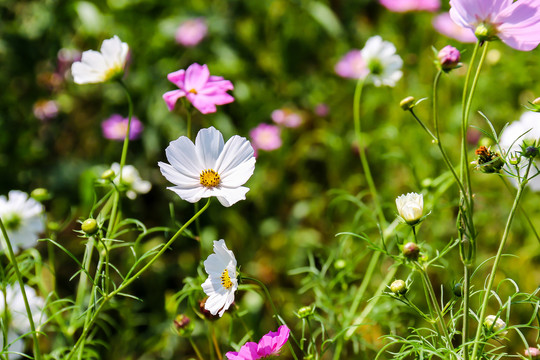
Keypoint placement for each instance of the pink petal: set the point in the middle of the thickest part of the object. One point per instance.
(247, 352)
(196, 77)
(177, 78)
(207, 103)
(271, 343)
(171, 97)
(216, 87)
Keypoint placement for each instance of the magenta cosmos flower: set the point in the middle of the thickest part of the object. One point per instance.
(203, 90)
(287, 117)
(115, 128)
(191, 32)
(269, 345)
(352, 65)
(517, 24)
(266, 137)
(411, 5)
(443, 24)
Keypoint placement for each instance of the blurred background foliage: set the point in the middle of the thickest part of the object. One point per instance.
(277, 53)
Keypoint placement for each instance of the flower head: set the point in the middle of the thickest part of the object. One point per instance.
(266, 137)
(18, 323)
(443, 24)
(115, 128)
(221, 282)
(200, 88)
(410, 207)
(411, 5)
(495, 324)
(191, 32)
(533, 353)
(517, 24)
(100, 66)
(209, 167)
(398, 287)
(45, 109)
(352, 65)
(448, 58)
(23, 219)
(269, 345)
(382, 62)
(131, 180)
(287, 117)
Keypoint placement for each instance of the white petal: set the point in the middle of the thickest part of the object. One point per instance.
(181, 180)
(209, 145)
(236, 151)
(229, 197)
(182, 155)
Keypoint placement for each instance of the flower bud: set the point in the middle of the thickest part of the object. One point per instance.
(535, 105)
(495, 325)
(207, 314)
(183, 325)
(411, 251)
(410, 207)
(407, 103)
(90, 226)
(448, 58)
(340, 264)
(304, 312)
(533, 353)
(536, 101)
(458, 290)
(40, 194)
(530, 152)
(398, 287)
(108, 174)
(485, 32)
(488, 161)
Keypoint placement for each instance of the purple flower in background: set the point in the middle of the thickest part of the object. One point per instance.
(448, 58)
(115, 128)
(287, 118)
(517, 24)
(200, 88)
(322, 110)
(269, 345)
(411, 5)
(191, 32)
(265, 137)
(443, 24)
(352, 65)
(45, 109)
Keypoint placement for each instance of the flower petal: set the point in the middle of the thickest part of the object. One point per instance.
(208, 146)
(196, 77)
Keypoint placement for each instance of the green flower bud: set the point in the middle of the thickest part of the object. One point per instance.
(411, 251)
(398, 287)
(485, 32)
(407, 103)
(495, 325)
(90, 226)
(40, 194)
(304, 312)
(340, 264)
(458, 290)
(108, 175)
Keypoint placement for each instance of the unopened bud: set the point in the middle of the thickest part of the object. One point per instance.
(304, 312)
(108, 174)
(183, 325)
(485, 32)
(458, 289)
(89, 226)
(449, 58)
(530, 152)
(398, 287)
(497, 325)
(411, 251)
(407, 103)
(536, 101)
(40, 194)
(340, 264)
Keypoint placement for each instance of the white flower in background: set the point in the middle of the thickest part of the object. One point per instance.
(131, 180)
(526, 129)
(410, 207)
(495, 325)
(23, 219)
(209, 167)
(221, 282)
(18, 323)
(383, 63)
(100, 66)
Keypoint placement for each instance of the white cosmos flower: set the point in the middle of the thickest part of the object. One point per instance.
(221, 282)
(131, 180)
(18, 323)
(100, 66)
(526, 129)
(410, 207)
(209, 167)
(383, 63)
(23, 219)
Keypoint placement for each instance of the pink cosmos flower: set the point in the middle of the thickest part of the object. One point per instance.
(443, 24)
(352, 65)
(115, 128)
(322, 110)
(517, 24)
(448, 58)
(287, 118)
(411, 5)
(200, 88)
(269, 345)
(265, 137)
(45, 109)
(191, 32)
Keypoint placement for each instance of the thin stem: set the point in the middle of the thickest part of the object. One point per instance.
(491, 277)
(433, 137)
(215, 342)
(13, 260)
(126, 138)
(466, 306)
(83, 278)
(195, 348)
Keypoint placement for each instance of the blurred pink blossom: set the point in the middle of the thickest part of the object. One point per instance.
(352, 65)
(115, 128)
(203, 90)
(45, 109)
(265, 137)
(322, 110)
(411, 5)
(517, 24)
(444, 25)
(191, 32)
(269, 346)
(287, 118)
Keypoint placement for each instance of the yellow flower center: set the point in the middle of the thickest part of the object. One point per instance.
(226, 279)
(193, 91)
(210, 178)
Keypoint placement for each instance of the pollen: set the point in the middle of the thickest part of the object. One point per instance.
(193, 91)
(226, 279)
(210, 178)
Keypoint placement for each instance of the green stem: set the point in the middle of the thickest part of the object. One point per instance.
(215, 342)
(195, 348)
(487, 290)
(126, 138)
(83, 278)
(130, 279)
(433, 137)
(13, 260)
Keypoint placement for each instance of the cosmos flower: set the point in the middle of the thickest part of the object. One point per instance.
(209, 167)
(23, 219)
(383, 63)
(443, 24)
(517, 24)
(131, 180)
(115, 128)
(203, 90)
(287, 117)
(221, 282)
(352, 65)
(191, 32)
(100, 66)
(18, 323)
(411, 5)
(266, 137)
(410, 207)
(269, 346)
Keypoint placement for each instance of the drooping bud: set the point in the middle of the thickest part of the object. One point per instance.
(90, 226)
(449, 58)
(407, 103)
(398, 287)
(411, 251)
